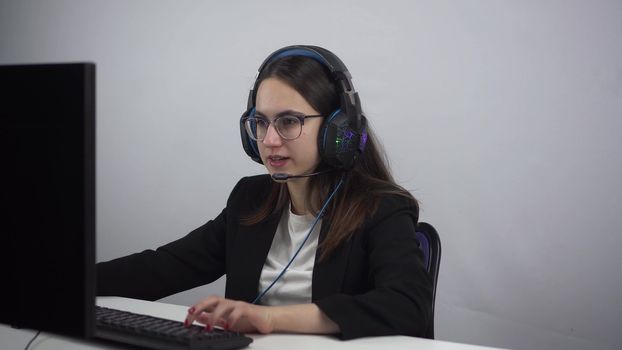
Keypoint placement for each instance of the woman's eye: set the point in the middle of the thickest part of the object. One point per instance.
(289, 121)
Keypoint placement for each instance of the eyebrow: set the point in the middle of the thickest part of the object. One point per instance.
(287, 111)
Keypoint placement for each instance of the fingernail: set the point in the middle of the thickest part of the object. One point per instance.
(208, 327)
(186, 323)
(227, 325)
(191, 310)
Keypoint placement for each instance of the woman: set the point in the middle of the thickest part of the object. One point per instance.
(324, 244)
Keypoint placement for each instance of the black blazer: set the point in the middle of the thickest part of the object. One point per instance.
(374, 284)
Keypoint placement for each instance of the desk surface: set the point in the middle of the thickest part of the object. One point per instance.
(17, 339)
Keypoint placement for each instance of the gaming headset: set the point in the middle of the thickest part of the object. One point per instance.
(343, 133)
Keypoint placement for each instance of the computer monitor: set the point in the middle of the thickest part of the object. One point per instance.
(47, 201)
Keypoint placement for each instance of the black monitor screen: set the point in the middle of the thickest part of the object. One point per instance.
(47, 201)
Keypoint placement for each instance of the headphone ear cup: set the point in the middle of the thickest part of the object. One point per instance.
(249, 145)
(339, 141)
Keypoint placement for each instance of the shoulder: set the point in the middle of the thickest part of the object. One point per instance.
(250, 189)
(392, 205)
(255, 181)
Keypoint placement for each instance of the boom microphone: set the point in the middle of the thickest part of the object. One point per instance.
(285, 176)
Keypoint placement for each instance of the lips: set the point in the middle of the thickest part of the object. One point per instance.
(277, 161)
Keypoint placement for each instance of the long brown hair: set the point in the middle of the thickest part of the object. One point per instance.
(363, 185)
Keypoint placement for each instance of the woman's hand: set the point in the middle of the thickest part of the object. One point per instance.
(243, 317)
(230, 314)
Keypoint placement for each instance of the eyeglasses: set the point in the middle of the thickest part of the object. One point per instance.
(287, 125)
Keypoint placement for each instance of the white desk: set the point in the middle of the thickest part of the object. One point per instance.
(17, 339)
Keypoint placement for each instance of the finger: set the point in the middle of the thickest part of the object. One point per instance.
(221, 323)
(203, 317)
(207, 304)
(222, 311)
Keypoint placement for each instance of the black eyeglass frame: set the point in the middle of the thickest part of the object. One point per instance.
(301, 118)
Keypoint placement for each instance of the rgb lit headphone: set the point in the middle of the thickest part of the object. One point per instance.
(343, 133)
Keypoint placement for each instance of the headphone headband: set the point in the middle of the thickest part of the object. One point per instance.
(323, 56)
(337, 68)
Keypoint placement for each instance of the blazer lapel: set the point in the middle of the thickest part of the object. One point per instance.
(328, 274)
(253, 244)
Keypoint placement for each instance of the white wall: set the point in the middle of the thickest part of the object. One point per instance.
(502, 117)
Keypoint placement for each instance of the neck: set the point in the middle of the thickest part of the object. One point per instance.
(298, 195)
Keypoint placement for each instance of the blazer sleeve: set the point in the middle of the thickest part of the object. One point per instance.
(399, 298)
(191, 261)
(196, 259)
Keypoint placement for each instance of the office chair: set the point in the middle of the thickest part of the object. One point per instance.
(430, 245)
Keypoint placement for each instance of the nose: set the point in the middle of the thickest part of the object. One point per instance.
(272, 138)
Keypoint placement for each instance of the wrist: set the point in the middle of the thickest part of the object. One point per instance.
(270, 319)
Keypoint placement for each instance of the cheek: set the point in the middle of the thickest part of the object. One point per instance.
(310, 149)
(310, 133)
(311, 143)
(261, 148)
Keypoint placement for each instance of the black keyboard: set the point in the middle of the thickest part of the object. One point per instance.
(158, 333)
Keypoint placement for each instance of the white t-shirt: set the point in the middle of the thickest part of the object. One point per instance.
(294, 287)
